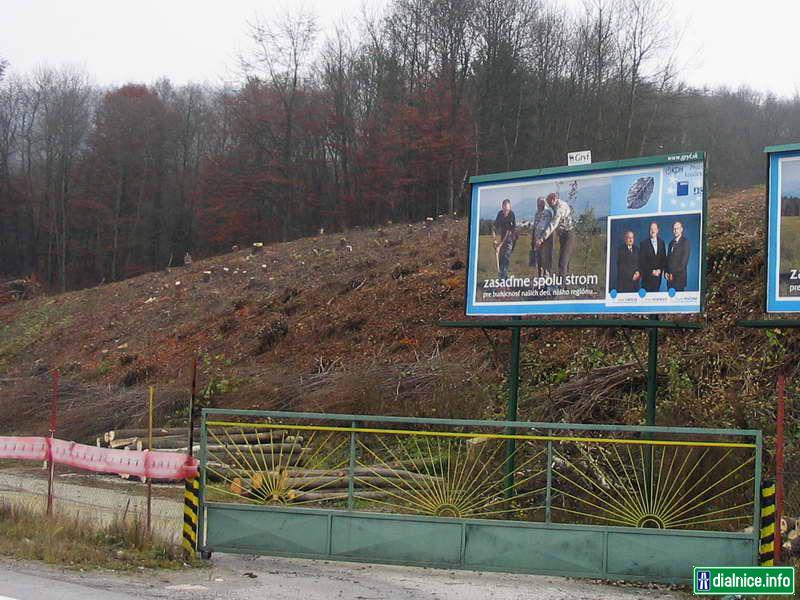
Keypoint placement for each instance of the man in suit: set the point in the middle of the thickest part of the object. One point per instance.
(677, 259)
(652, 258)
(628, 274)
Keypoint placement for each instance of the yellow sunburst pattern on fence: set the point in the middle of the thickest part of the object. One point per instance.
(463, 478)
(665, 487)
(258, 466)
(668, 484)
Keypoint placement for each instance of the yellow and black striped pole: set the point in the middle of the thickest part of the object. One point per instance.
(191, 508)
(766, 551)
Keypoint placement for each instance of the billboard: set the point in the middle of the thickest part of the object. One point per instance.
(617, 237)
(783, 229)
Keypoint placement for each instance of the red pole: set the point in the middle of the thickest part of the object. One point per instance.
(192, 400)
(779, 470)
(50, 464)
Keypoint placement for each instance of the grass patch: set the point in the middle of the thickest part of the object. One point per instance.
(28, 328)
(73, 541)
(588, 258)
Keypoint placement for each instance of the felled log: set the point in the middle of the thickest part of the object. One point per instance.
(221, 451)
(792, 544)
(219, 471)
(168, 441)
(339, 494)
(361, 472)
(259, 480)
(475, 447)
(180, 441)
(257, 449)
(242, 487)
(214, 436)
(419, 464)
(123, 442)
(110, 436)
(788, 523)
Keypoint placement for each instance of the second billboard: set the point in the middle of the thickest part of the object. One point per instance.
(619, 237)
(783, 229)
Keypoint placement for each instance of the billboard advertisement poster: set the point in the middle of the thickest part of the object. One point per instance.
(616, 237)
(783, 229)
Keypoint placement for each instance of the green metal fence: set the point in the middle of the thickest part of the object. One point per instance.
(585, 500)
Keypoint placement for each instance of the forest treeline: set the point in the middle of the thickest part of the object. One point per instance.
(383, 120)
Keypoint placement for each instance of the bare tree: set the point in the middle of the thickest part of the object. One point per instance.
(64, 118)
(281, 56)
(642, 37)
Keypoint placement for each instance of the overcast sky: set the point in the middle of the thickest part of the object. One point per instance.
(119, 41)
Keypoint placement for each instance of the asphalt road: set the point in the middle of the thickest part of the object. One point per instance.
(251, 578)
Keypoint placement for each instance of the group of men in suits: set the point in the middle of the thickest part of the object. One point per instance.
(643, 266)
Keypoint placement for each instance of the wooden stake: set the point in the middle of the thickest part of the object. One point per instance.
(51, 464)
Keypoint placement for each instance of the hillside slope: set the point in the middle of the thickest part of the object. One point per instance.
(314, 323)
(348, 322)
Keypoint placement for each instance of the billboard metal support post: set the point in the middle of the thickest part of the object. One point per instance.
(652, 325)
(511, 409)
(650, 406)
(652, 374)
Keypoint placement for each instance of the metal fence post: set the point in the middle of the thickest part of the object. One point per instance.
(549, 491)
(757, 500)
(201, 513)
(351, 471)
